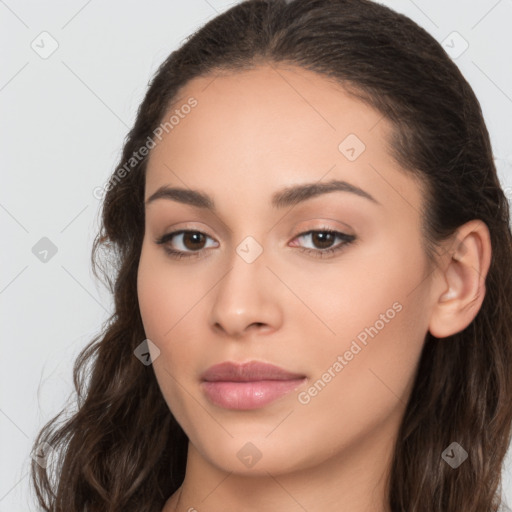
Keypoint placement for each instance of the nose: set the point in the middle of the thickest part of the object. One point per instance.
(246, 299)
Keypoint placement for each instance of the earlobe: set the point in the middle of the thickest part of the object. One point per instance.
(459, 287)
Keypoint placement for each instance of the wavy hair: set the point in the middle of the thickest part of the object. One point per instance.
(123, 450)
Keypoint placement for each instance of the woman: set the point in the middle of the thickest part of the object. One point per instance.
(311, 269)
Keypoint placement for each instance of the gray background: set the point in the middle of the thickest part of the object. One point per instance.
(64, 118)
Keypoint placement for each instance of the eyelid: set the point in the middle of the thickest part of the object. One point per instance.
(327, 224)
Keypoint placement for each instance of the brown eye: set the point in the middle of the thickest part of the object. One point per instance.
(193, 240)
(184, 243)
(323, 239)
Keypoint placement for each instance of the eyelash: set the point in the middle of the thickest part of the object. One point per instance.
(318, 253)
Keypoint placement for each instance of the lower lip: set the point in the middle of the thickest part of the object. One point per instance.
(248, 395)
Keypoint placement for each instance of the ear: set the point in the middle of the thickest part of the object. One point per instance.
(459, 288)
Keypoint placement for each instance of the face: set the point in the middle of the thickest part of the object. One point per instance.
(330, 284)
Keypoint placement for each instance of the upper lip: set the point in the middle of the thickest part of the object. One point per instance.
(246, 372)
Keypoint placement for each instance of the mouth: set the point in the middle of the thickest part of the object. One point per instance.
(248, 394)
(248, 386)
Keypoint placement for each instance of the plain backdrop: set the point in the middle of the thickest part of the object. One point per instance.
(72, 77)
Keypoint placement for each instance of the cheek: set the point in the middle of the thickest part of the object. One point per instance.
(156, 303)
(170, 302)
(351, 294)
(163, 309)
(362, 380)
(374, 315)
(164, 293)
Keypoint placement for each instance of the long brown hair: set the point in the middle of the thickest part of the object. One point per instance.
(122, 449)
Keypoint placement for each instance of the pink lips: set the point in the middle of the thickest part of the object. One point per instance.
(247, 386)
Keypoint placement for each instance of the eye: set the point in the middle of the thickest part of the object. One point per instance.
(324, 237)
(192, 241)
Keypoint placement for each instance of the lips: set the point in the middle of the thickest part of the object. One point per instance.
(247, 372)
(248, 386)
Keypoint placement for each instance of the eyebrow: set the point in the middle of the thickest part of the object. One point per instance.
(288, 196)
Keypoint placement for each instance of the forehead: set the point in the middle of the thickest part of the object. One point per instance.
(244, 110)
(269, 127)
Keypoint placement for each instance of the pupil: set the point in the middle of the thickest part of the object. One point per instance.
(194, 237)
(325, 239)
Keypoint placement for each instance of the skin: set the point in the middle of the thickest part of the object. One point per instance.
(251, 134)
